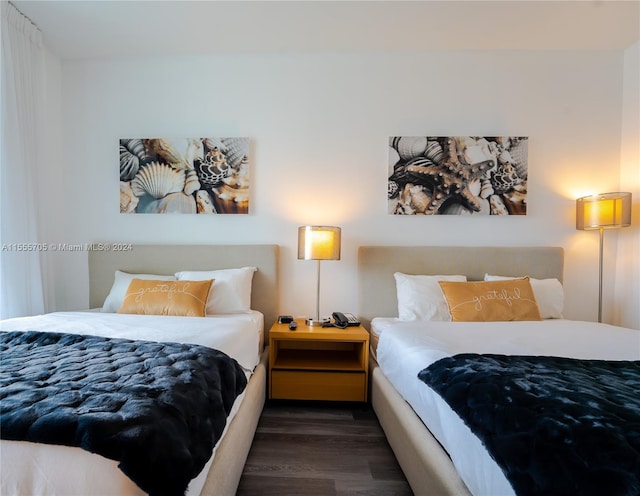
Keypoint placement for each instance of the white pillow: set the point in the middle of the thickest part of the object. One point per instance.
(231, 290)
(118, 291)
(548, 292)
(420, 297)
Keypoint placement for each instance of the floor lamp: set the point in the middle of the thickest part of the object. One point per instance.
(318, 243)
(600, 212)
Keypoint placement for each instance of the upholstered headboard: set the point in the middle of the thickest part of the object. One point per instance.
(376, 265)
(168, 259)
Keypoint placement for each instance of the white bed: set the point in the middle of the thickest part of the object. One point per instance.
(422, 343)
(405, 405)
(30, 468)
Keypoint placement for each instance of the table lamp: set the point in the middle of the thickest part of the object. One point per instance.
(318, 243)
(603, 211)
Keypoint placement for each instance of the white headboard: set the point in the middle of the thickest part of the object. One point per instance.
(168, 259)
(376, 265)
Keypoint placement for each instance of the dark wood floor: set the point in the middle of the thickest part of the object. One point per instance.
(319, 449)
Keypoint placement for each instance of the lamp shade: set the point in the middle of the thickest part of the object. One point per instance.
(318, 243)
(603, 211)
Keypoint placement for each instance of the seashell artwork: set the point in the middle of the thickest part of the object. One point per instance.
(128, 201)
(132, 154)
(518, 152)
(191, 183)
(129, 164)
(236, 149)
(195, 151)
(415, 199)
(157, 180)
(434, 152)
(409, 147)
(497, 205)
(394, 158)
(455, 208)
(214, 168)
(173, 151)
(231, 200)
(240, 176)
(174, 203)
(516, 200)
(204, 203)
(486, 189)
(213, 143)
(505, 178)
(184, 175)
(457, 175)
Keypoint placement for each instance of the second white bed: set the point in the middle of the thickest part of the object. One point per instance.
(405, 348)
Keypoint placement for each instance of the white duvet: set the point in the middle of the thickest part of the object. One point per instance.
(238, 335)
(407, 347)
(40, 469)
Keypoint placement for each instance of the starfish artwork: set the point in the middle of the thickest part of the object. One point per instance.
(458, 175)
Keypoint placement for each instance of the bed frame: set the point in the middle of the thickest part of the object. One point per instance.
(425, 463)
(225, 472)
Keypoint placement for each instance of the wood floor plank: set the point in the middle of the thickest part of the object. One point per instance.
(324, 449)
(252, 485)
(372, 488)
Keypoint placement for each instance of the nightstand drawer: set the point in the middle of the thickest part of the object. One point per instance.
(333, 386)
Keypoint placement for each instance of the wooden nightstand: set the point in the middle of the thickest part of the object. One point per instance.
(318, 363)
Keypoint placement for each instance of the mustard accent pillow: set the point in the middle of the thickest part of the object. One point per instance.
(490, 301)
(154, 297)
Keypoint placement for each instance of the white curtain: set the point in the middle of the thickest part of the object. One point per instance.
(21, 290)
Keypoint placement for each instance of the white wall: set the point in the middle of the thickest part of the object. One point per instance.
(319, 125)
(627, 288)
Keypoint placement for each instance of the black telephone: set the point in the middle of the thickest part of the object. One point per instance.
(343, 320)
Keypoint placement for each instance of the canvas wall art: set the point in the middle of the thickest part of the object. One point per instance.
(184, 176)
(457, 175)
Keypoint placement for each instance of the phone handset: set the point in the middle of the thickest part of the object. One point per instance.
(343, 320)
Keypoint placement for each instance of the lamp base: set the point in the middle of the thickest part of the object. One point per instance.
(311, 322)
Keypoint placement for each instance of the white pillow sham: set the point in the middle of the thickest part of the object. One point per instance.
(231, 290)
(121, 281)
(420, 297)
(548, 292)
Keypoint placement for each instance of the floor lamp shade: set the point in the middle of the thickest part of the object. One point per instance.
(600, 212)
(318, 243)
(603, 211)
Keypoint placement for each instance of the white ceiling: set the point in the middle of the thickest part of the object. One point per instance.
(118, 28)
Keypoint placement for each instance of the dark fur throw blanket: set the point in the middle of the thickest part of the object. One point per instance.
(556, 426)
(156, 408)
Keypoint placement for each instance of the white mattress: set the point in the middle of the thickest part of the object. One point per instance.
(238, 335)
(405, 348)
(41, 469)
